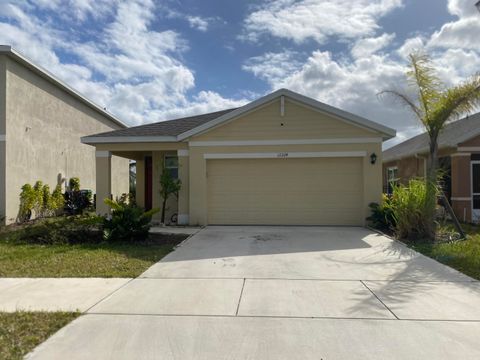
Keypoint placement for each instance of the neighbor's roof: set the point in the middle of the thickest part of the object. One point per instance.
(15, 55)
(454, 133)
(181, 129)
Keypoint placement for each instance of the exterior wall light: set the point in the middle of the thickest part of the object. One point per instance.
(373, 158)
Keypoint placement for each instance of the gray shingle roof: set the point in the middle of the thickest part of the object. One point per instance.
(454, 133)
(166, 128)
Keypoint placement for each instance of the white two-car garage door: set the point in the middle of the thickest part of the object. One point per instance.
(292, 191)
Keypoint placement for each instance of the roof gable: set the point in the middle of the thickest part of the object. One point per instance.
(281, 120)
(384, 131)
(185, 128)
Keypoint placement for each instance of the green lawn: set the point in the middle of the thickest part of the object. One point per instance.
(74, 247)
(461, 255)
(102, 260)
(21, 331)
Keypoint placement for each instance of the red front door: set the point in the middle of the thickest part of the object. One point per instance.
(148, 182)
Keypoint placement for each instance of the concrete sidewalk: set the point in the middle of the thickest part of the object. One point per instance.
(282, 293)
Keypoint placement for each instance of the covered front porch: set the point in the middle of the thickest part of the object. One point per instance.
(151, 160)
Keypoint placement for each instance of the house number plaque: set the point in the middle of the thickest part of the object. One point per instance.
(282, 155)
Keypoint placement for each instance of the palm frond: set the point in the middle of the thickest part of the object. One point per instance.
(423, 78)
(403, 99)
(457, 101)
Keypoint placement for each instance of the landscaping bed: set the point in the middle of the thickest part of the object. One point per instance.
(73, 247)
(462, 255)
(21, 332)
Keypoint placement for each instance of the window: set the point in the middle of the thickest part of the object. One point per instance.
(171, 165)
(392, 178)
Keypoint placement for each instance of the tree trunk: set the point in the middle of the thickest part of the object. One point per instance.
(164, 206)
(431, 185)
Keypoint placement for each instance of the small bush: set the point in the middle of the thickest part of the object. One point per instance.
(58, 201)
(76, 202)
(74, 184)
(382, 215)
(39, 201)
(128, 222)
(63, 230)
(38, 198)
(410, 210)
(27, 202)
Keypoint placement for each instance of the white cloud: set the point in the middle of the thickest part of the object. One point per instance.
(462, 8)
(352, 83)
(317, 20)
(198, 23)
(273, 67)
(368, 46)
(129, 68)
(461, 33)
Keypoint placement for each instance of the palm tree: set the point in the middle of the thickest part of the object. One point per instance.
(435, 105)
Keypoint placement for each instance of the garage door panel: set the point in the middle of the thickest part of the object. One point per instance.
(317, 191)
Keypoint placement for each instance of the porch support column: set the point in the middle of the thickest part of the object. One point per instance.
(183, 199)
(103, 180)
(140, 183)
(157, 169)
(461, 186)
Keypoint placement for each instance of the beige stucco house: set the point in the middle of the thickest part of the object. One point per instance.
(41, 123)
(282, 159)
(459, 158)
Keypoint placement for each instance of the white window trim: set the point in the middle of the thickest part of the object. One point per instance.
(287, 142)
(283, 155)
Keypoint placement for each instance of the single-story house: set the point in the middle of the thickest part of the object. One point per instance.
(41, 122)
(459, 158)
(282, 159)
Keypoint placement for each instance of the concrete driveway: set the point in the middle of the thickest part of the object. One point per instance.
(282, 293)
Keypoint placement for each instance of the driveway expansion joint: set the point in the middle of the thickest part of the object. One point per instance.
(396, 317)
(240, 297)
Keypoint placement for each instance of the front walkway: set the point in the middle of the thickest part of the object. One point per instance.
(282, 293)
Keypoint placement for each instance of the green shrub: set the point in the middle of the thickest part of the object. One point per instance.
(74, 184)
(47, 205)
(78, 201)
(410, 210)
(61, 230)
(58, 201)
(27, 202)
(38, 196)
(382, 215)
(128, 222)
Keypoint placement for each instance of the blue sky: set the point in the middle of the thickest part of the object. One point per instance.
(151, 60)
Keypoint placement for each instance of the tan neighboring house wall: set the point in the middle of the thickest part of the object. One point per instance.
(43, 124)
(282, 129)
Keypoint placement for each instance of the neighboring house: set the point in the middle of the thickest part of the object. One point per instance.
(41, 122)
(282, 159)
(459, 153)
